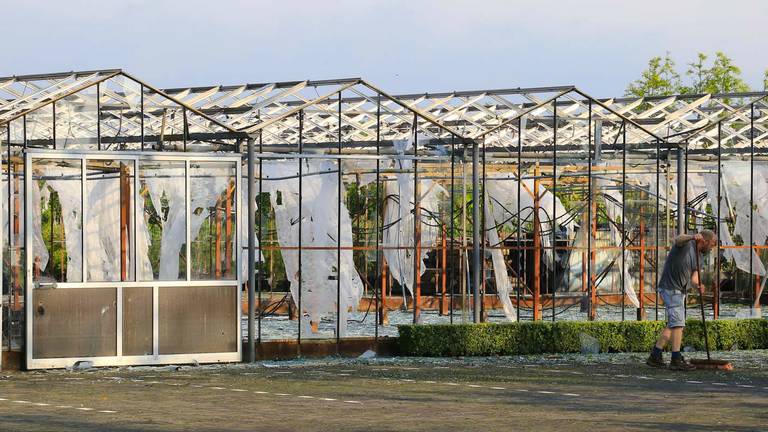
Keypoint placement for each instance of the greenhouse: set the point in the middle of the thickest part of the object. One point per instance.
(204, 224)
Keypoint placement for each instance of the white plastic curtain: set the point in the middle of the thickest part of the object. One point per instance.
(501, 210)
(247, 233)
(398, 234)
(66, 181)
(502, 193)
(503, 284)
(102, 229)
(320, 272)
(168, 183)
(613, 209)
(740, 256)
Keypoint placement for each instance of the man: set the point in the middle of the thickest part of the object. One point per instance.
(678, 274)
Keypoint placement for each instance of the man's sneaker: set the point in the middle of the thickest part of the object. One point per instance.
(655, 361)
(681, 364)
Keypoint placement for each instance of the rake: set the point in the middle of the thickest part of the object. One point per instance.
(709, 363)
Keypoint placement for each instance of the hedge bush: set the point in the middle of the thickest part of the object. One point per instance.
(487, 339)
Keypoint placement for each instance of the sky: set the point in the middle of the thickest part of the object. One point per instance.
(400, 46)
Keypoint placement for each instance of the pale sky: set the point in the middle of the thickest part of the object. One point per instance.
(401, 46)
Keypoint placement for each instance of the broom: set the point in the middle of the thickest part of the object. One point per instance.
(709, 363)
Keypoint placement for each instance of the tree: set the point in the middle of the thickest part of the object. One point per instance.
(660, 79)
(699, 73)
(765, 80)
(724, 76)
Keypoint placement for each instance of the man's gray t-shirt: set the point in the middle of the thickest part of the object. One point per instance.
(680, 265)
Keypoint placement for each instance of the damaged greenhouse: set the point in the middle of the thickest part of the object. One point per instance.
(222, 223)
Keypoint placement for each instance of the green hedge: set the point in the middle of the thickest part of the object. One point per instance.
(563, 337)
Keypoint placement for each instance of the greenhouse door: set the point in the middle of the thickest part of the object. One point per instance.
(132, 259)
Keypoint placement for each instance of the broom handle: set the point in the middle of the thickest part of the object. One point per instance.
(701, 301)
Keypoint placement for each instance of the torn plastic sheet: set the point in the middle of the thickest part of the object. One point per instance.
(737, 185)
(605, 257)
(740, 256)
(102, 229)
(66, 181)
(502, 192)
(503, 284)
(168, 183)
(398, 232)
(40, 200)
(320, 272)
(613, 209)
(245, 230)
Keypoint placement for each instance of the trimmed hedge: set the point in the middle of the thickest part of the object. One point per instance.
(488, 339)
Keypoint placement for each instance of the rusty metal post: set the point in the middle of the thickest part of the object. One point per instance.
(641, 298)
(593, 260)
(536, 246)
(228, 230)
(443, 274)
(383, 316)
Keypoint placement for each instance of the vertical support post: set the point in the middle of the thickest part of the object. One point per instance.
(453, 224)
(228, 228)
(98, 116)
(641, 288)
(475, 231)
(443, 272)
(300, 274)
(623, 217)
(716, 302)
(536, 246)
(217, 241)
(593, 260)
(590, 258)
(251, 199)
(520, 273)
(680, 191)
(125, 211)
(340, 174)
(379, 303)
(383, 316)
(554, 207)
(416, 227)
(656, 228)
(251, 250)
(483, 231)
(756, 289)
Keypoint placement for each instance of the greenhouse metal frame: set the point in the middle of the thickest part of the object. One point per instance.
(360, 201)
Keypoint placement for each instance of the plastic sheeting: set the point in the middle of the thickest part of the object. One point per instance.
(66, 182)
(168, 183)
(740, 256)
(246, 232)
(40, 200)
(502, 192)
(503, 284)
(737, 185)
(319, 268)
(613, 208)
(102, 229)
(398, 233)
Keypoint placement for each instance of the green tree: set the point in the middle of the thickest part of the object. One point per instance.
(765, 80)
(698, 73)
(724, 76)
(659, 79)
